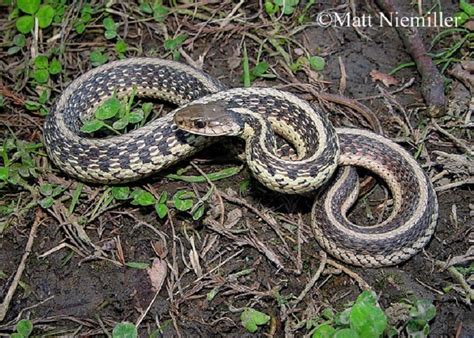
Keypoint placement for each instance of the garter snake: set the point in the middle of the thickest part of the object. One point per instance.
(205, 109)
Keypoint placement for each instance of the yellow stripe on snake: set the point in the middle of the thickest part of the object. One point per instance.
(207, 110)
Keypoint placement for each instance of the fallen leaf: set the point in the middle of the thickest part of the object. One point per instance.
(386, 79)
(233, 217)
(194, 258)
(157, 273)
(469, 25)
(160, 248)
(468, 65)
(235, 60)
(299, 51)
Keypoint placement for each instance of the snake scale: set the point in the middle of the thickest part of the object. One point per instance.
(207, 109)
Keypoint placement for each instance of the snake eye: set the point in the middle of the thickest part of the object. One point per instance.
(199, 124)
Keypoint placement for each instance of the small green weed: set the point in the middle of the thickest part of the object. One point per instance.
(287, 7)
(40, 104)
(85, 17)
(116, 115)
(363, 319)
(110, 28)
(49, 192)
(59, 7)
(316, 63)
(121, 193)
(142, 198)
(182, 201)
(23, 329)
(7, 209)
(43, 68)
(32, 9)
(160, 207)
(421, 313)
(259, 71)
(121, 48)
(466, 271)
(19, 41)
(251, 319)
(173, 45)
(159, 11)
(98, 58)
(17, 162)
(125, 330)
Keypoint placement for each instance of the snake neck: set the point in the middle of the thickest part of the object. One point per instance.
(258, 133)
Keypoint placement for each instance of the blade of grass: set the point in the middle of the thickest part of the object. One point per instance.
(75, 197)
(216, 176)
(401, 66)
(246, 68)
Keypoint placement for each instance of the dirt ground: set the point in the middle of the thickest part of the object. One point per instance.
(65, 292)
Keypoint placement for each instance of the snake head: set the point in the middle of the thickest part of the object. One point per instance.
(209, 119)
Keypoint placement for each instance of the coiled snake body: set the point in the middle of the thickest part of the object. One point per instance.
(207, 108)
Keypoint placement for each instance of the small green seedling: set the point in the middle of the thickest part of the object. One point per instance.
(7, 210)
(110, 28)
(316, 63)
(98, 58)
(49, 192)
(19, 41)
(421, 313)
(251, 319)
(160, 206)
(40, 104)
(121, 48)
(182, 201)
(43, 68)
(363, 319)
(173, 45)
(466, 272)
(125, 330)
(17, 162)
(259, 71)
(185, 201)
(84, 19)
(142, 198)
(59, 10)
(116, 115)
(33, 10)
(121, 193)
(287, 7)
(303, 16)
(158, 10)
(23, 328)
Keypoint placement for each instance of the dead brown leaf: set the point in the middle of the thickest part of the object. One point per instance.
(157, 273)
(386, 79)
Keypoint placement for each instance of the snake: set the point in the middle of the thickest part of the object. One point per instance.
(325, 161)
